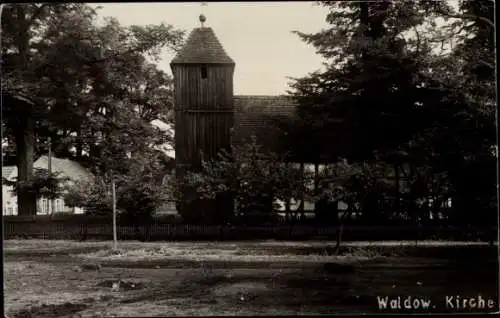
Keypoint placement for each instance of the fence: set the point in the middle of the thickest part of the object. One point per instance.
(80, 228)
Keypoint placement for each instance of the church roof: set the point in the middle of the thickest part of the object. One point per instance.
(202, 47)
(254, 114)
(252, 110)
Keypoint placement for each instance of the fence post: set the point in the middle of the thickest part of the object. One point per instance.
(113, 192)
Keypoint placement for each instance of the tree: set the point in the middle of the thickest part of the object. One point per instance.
(92, 195)
(369, 88)
(141, 191)
(50, 186)
(56, 56)
(465, 134)
(368, 91)
(390, 87)
(473, 177)
(358, 185)
(291, 183)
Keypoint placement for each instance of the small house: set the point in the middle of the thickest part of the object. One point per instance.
(63, 167)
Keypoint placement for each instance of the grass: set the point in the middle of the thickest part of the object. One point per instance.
(51, 244)
(201, 254)
(47, 285)
(12, 247)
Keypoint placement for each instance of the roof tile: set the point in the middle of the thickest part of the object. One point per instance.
(254, 113)
(65, 167)
(202, 47)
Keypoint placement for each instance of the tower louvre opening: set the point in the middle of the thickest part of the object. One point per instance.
(203, 72)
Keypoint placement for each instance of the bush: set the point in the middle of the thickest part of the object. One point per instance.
(140, 192)
(248, 176)
(45, 185)
(94, 196)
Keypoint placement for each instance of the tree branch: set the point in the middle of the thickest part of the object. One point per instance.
(114, 56)
(487, 64)
(469, 17)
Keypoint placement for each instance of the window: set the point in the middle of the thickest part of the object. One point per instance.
(203, 72)
(58, 206)
(45, 206)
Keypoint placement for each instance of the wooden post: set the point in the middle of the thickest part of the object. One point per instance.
(113, 193)
(50, 202)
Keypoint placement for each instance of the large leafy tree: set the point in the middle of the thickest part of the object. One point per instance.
(76, 77)
(394, 94)
(141, 190)
(465, 140)
(369, 101)
(369, 88)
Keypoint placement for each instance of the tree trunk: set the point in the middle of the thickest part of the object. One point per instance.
(316, 177)
(412, 207)
(340, 231)
(79, 144)
(435, 209)
(302, 196)
(85, 228)
(147, 229)
(397, 194)
(25, 140)
(289, 215)
(25, 130)
(137, 231)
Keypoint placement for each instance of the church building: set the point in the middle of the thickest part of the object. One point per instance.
(208, 116)
(207, 113)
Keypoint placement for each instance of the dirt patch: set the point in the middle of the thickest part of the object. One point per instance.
(241, 290)
(179, 288)
(51, 310)
(122, 285)
(335, 268)
(48, 252)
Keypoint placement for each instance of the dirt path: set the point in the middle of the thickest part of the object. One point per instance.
(49, 286)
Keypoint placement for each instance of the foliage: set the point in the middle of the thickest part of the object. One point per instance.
(92, 195)
(93, 89)
(397, 82)
(473, 156)
(362, 186)
(253, 177)
(50, 186)
(141, 191)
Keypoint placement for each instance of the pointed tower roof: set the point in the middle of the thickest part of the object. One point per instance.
(202, 47)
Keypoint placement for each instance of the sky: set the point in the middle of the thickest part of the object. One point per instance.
(256, 35)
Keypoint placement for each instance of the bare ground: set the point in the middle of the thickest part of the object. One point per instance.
(53, 284)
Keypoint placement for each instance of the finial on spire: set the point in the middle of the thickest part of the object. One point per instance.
(202, 17)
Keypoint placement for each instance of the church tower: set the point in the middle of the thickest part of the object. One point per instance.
(203, 99)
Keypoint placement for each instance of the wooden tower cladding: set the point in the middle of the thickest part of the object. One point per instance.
(203, 86)
(203, 99)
